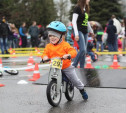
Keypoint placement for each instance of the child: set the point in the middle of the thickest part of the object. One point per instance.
(89, 49)
(99, 40)
(68, 36)
(59, 48)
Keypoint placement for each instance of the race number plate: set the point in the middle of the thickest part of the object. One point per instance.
(56, 63)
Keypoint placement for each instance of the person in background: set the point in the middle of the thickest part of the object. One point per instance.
(4, 32)
(68, 35)
(22, 32)
(99, 42)
(117, 24)
(34, 32)
(90, 46)
(13, 36)
(124, 34)
(119, 42)
(80, 26)
(111, 30)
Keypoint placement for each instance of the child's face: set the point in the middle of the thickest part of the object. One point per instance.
(53, 39)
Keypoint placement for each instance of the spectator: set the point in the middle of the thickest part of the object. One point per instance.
(99, 42)
(117, 24)
(80, 26)
(4, 32)
(111, 30)
(68, 36)
(124, 34)
(13, 36)
(22, 32)
(34, 32)
(90, 49)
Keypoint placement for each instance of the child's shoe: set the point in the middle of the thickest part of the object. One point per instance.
(84, 94)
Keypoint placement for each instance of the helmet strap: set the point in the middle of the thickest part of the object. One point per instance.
(59, 39)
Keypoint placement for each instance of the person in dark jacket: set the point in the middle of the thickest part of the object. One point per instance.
(34, 32)
(111, 30)
(4, 31)
(22, 32)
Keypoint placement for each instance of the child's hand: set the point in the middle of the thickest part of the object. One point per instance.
(45, 58)
(66, 56)
(77, 38)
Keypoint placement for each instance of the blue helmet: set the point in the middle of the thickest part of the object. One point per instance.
(57, 26)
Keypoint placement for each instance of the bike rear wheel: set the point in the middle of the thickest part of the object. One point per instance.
(51, 92)
(69, 94)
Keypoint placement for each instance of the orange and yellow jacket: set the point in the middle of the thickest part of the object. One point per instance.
(58, 51)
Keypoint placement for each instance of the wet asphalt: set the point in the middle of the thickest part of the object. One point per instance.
(108, 97)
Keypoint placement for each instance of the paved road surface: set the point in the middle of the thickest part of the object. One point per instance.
(31, 98)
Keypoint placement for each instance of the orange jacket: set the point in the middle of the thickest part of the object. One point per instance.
(58, 51)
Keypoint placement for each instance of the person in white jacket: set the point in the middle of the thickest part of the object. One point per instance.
(81, 28)
(118, 26)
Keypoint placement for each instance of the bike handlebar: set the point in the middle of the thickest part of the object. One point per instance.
(43, 61)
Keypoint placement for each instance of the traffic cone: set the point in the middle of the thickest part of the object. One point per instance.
(30, 64)
(115, 63)
(120, 52)
(10, 50)
(88, 63)
(1, 85)
(36, 49)
(1, 63)
(13, 54)
(31, 58)
(39, 54)
(36, 74)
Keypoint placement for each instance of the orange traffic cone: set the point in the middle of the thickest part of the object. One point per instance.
(13, 54)
(10, 50)
(120, 52)
(1, 63)
(88, 63)
(115, 63)
(36, 49)
(31, 58)
(39, 54)
(30, 64)
(36, 74)
(1, 85)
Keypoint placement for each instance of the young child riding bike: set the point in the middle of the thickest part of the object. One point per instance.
(59, 48)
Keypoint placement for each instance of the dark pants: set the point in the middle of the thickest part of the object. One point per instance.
(3, 44)
(34, 41)
(24, 41)
(92, 55)
(111, 47)
(116, 43)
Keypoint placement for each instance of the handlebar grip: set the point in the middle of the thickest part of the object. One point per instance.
(69, 57)
(43, 61)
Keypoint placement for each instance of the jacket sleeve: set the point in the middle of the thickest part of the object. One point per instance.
(20, 32)
(46, 52)
(70, 50)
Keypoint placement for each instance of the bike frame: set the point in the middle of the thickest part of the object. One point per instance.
(56, 74)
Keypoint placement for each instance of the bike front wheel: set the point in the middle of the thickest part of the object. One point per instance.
(12, 72)
(53, 97)
(69, 94)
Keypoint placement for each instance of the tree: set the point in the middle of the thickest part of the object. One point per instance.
(62, 10)
(18, 11)
(101, 10)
